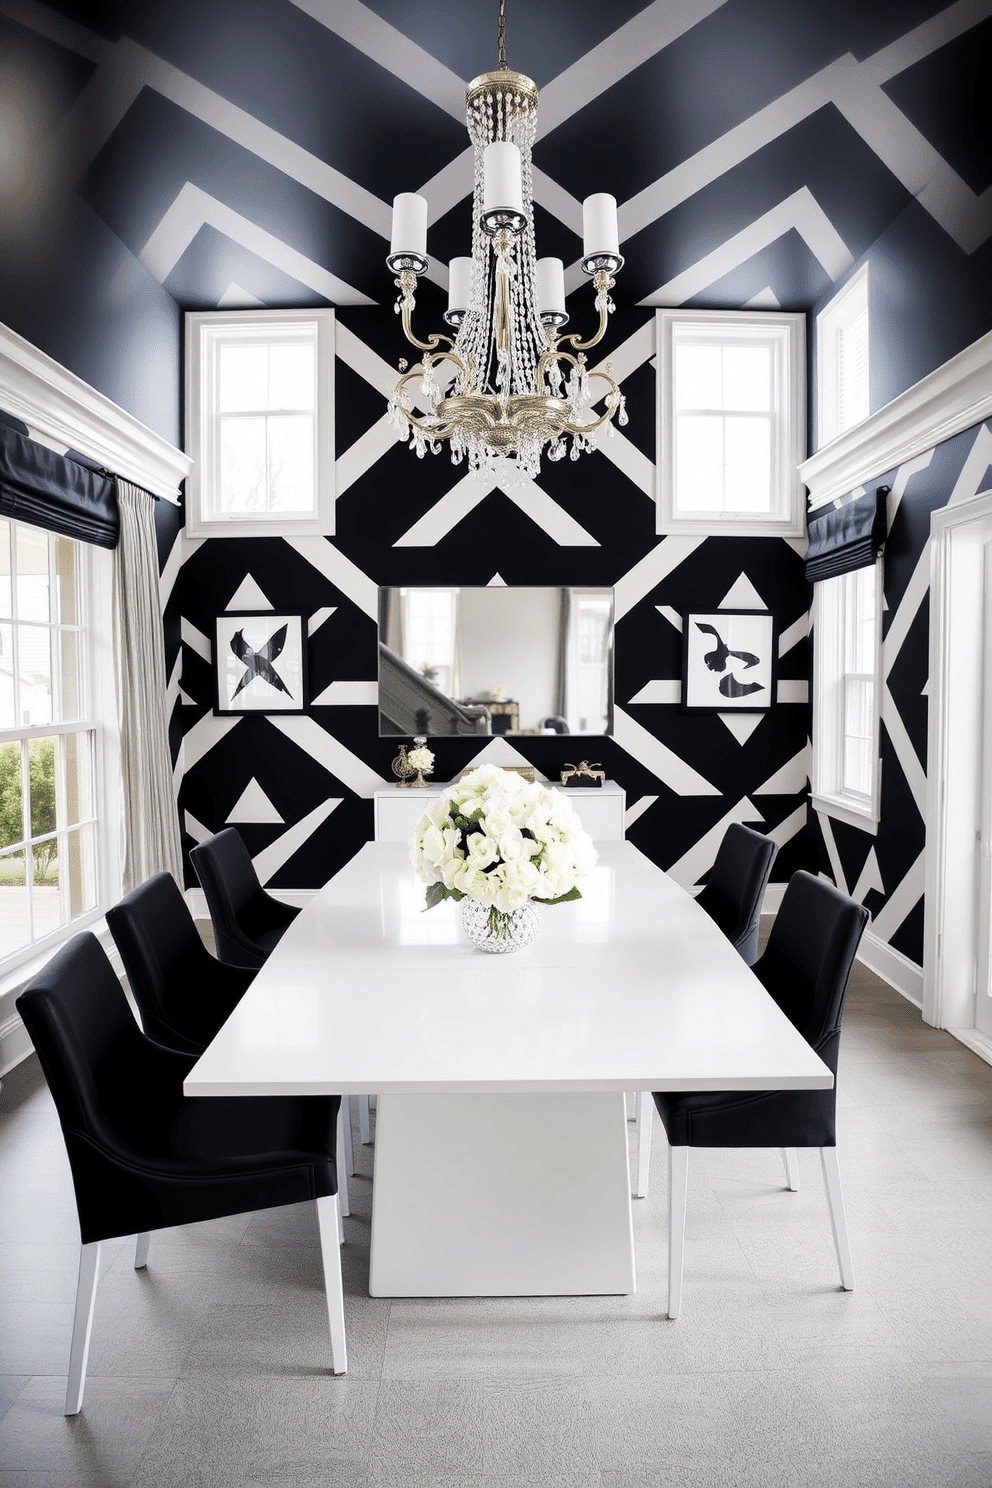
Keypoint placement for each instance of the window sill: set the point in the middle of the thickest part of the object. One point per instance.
(865, 821)
(715, 525)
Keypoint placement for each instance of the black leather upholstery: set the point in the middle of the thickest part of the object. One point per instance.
(248, 923)
(184, 994)
(143, 1155)
(736, 886)
(805, 967)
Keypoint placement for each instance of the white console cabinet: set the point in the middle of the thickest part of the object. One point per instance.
(600, 809)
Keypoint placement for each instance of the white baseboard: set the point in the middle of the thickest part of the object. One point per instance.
(893, 967)
(15, 1044)
(978, 1043)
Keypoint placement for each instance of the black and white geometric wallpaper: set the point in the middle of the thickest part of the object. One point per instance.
(245, 152)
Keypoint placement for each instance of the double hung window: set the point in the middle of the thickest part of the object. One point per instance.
(731, 422)
(259, 421)
(50, 740)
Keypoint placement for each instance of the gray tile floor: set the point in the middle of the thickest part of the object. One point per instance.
(209, 1368)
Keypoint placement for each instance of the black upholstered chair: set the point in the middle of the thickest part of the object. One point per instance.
(183, 993)
(732, 897)
(248, 923)
(805, 967)
(736, 886)
(146, 1157)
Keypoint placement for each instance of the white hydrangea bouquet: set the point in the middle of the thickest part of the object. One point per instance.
(498, 839)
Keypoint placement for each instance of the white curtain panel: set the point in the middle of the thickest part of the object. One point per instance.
(150, 818)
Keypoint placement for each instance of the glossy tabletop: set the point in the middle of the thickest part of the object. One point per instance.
(632, 987)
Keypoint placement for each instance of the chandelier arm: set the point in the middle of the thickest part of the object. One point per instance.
(406, 283)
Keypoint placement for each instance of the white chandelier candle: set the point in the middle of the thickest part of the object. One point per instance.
(508, 388)
(501, 841)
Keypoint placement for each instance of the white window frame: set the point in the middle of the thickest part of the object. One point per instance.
(206, 332)
(96, 576)
(848, 306)
(831, 616)
(787, 334)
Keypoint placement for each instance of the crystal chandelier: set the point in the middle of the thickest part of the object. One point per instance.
(504, 387)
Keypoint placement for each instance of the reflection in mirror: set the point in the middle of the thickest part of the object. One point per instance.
(496, 660)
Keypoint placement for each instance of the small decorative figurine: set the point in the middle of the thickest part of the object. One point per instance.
(402, 768)
(420, 759)
(582, 774)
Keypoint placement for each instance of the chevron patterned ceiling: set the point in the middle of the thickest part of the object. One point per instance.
(247, 151)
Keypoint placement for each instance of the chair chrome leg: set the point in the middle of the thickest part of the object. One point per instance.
(838, 1219)
(141, 1244)
(328, 1219)
(82, 1326)
(678, 1183)
(644, 1107)
(791, 1168)
(349, 1147)
(364, 1130)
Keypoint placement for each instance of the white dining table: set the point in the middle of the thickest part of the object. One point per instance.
(501, 1156)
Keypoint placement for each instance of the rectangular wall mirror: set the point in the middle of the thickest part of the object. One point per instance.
(498, 660)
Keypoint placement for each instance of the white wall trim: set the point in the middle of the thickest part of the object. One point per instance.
(952, 398)
(892, 966)
(957, 535)
(975, 1041)
(63, 411)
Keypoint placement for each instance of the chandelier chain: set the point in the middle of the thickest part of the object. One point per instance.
(501, 36)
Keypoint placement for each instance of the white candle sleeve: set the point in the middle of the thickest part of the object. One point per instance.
(551, 286)
(409, 224)
(501, 166)
(599, 225)
(459, 283)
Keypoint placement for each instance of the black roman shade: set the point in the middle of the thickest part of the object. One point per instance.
(51, 491)
(844, 538)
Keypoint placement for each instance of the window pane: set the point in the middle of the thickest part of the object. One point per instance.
(34, 646)
(8, 715)
(70, 645)
(242, 465)
(5, 569)
(79, 777)
(11, 795)
(748, 464)
(32, 574)
(698, 377)
(747, 377)
(42, 760)
(699, 463)
(46, 892)
(66, 582)
(291, 377)
(291, 463)
(243, 374)
(80, 863)
(14, 925)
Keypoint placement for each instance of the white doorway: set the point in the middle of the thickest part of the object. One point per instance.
(957, 992)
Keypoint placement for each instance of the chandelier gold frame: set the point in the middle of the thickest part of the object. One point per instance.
(507, 384)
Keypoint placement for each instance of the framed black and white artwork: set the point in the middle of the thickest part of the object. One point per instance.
(728, 661)
(260, 663)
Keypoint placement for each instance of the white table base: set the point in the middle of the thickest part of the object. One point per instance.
(501, 1195)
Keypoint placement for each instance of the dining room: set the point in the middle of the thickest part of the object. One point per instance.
(323, 492)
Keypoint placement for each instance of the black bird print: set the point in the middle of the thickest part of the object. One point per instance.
(717, 660)
(259, 663)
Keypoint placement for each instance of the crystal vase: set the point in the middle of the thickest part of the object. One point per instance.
(492, 929)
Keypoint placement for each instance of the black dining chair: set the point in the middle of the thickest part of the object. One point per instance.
(146, 1157)
(732, 897)
(805, 967)
(183, 993)
(248, 923)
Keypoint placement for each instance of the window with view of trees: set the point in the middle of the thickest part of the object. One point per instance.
(48, 831)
